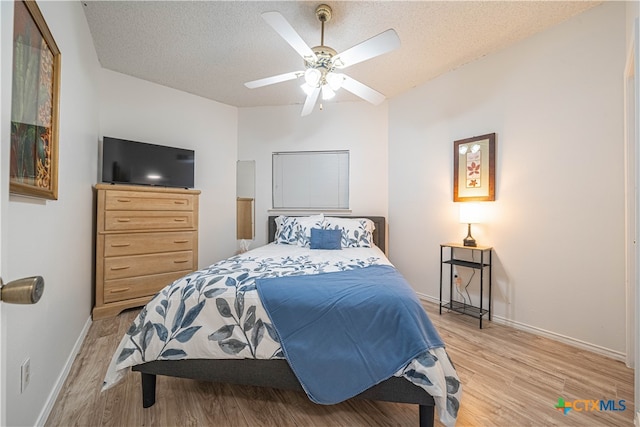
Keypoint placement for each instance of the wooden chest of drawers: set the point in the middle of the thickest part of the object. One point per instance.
(146, 237)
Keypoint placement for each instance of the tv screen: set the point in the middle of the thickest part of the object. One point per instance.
(139, 163)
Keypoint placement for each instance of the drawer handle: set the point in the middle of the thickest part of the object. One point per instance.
(179, 219)
(181, 241)
(117, 291)
(179, 202)
(124, 219)
(124, 200)
(120, 245)
(124, 267)
(180, 261)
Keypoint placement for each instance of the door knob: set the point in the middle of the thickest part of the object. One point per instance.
(27, 290)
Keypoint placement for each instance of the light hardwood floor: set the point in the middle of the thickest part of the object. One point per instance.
(510, 378)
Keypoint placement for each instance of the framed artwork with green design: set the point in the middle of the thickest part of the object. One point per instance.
(34, 105)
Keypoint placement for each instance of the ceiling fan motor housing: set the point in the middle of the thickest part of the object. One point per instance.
(322, 64)
(324, 55)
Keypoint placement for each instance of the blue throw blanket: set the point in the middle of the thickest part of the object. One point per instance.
(344, 332)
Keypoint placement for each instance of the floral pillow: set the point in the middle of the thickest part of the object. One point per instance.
(356, 232)
(296, 230)
(285, 230)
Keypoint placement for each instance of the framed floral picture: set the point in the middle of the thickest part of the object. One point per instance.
(474, 169)
(34, 105)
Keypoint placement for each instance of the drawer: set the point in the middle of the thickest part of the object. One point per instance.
(148, 243)
(146, 201)
(143, 265)
(124, 289)
(147, 220)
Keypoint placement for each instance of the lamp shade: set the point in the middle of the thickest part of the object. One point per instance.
(312, 77)
(327, 92)
(470, 213)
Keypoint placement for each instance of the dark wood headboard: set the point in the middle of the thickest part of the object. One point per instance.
(378, 234)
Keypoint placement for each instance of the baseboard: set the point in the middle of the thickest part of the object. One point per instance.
(51, 400)
(617, 355)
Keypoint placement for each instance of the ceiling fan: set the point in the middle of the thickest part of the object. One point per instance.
(323, 64)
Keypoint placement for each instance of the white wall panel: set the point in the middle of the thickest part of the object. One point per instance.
(555, 102)
(135, 109)
(358, 127)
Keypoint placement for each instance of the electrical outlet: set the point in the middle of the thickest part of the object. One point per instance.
(25, 374)
(458, 281)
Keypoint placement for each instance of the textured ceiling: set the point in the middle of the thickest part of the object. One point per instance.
(211, 48)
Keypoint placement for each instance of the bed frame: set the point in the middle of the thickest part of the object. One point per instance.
(277, 373)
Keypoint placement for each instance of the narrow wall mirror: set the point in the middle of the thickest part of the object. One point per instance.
(245, 197)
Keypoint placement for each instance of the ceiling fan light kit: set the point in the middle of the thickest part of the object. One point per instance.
(312, 77)
(322, 62)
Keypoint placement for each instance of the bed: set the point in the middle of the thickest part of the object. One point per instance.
(258, 359)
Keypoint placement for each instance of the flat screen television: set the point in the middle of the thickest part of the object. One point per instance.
(140, 163)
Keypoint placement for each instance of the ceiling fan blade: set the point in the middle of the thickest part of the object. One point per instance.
(375, 46)
(363, 91)
(286, 31)
(273, 79)
(310, 102)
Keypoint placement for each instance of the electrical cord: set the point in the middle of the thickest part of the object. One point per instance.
(466, 287)
(458, 288)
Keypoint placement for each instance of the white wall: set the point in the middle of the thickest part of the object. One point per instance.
(555, 102)
(51, 238)
(135, 109)
(356, 126)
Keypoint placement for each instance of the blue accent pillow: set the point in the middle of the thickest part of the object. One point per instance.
(326, 239)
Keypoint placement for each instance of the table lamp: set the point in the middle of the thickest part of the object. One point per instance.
(469, 214)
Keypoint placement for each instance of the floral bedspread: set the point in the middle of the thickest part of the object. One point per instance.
(216, 313)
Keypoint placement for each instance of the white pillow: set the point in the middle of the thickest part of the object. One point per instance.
(296, 230)
(356, 232)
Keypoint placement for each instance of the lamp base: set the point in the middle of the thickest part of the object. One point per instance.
(469, 240)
